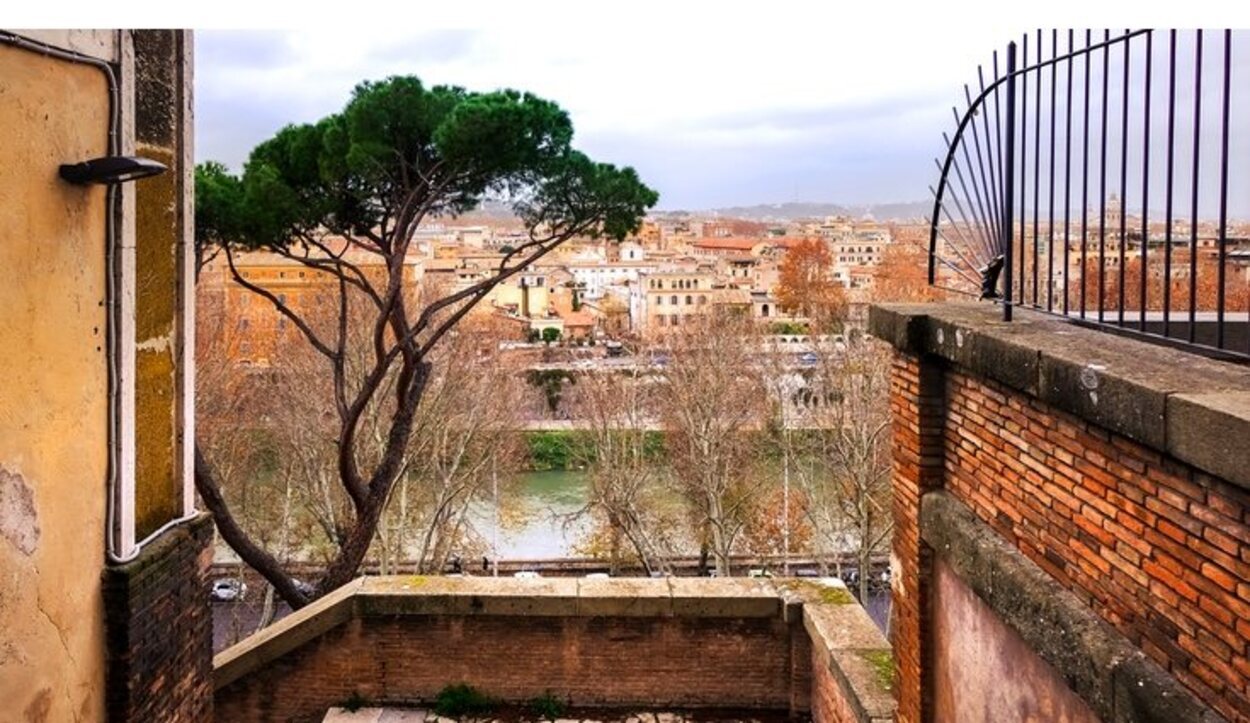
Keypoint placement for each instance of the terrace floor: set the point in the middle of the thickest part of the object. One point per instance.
(589, 715)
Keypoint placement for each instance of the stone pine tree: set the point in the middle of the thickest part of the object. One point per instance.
(362, 181)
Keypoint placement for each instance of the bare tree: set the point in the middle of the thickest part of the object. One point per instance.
(847, 483)
(619, 445)
(713, 413)
(466, 437)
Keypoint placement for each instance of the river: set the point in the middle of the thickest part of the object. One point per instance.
(539, 524)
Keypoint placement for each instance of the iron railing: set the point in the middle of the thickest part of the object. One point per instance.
(1091, 179)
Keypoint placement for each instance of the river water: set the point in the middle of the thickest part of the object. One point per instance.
(540, 523)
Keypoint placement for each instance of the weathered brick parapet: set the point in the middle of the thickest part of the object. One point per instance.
(160, 629)
(663, 643)
(1117, 470)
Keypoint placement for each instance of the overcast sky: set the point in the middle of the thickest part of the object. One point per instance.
(714, 109)
(711, 115)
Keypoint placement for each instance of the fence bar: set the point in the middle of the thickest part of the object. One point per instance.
(1219, 306)
(1085, 180)
(1067, 182)
(1124, 93)
(1009, 178)
(1145, 191)
(1037, 164)
(1102, 184)
(1050, 227)
(1193, 221)
(1024, 155)
(1171, 163)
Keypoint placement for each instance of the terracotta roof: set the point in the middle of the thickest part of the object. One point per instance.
(729, 243)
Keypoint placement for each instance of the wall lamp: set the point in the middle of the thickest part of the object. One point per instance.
(111, 170)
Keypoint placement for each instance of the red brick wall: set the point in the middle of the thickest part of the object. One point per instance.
(160, 629)
(1156, 548)
(916, 410)
(606, 661)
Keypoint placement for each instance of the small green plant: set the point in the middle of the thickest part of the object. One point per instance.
(551, 334)
(355, 702)
(547, 706)
(461, 699)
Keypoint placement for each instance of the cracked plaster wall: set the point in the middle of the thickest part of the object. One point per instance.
(53, 408)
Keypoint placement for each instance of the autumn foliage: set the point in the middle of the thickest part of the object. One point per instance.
(903, 275)
(806, 286)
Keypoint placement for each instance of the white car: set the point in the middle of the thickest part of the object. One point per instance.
(526, 575)
(228, 589)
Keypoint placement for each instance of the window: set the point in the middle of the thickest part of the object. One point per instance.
(689, 300)
(659, 301)
(673, 299)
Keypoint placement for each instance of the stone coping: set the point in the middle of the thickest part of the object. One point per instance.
(1195, 408)
(843, 635)
(1101, 666)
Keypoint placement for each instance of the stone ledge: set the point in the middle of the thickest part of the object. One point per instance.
(371, 597)
(855, 652)
(287, 634)
(843, 636)
(1101, 666)
(1196, 409)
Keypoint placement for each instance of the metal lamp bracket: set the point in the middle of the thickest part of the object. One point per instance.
(111, 170)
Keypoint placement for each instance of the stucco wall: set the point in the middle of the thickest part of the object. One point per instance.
(983, 670)
(53, 409)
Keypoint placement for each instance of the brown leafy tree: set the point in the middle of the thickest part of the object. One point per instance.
(903, 275)
(805, 285)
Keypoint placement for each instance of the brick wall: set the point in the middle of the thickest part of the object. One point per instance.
(727, 643)
(916, 397)
(1084, 464)
(159, 629)
(1156, 548)
(655, 662)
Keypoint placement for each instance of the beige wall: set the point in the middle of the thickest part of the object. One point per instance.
(53, 393)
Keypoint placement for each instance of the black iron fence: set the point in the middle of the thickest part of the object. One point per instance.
(1105, 176)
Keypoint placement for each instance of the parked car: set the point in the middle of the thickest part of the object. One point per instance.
(526, 575)
(759, 572)
(808, 358)
(228, 589)
(807, 573)
(597, 576)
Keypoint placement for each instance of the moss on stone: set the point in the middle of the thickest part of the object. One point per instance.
(836, 596)
(882, 663)
(815, 592)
